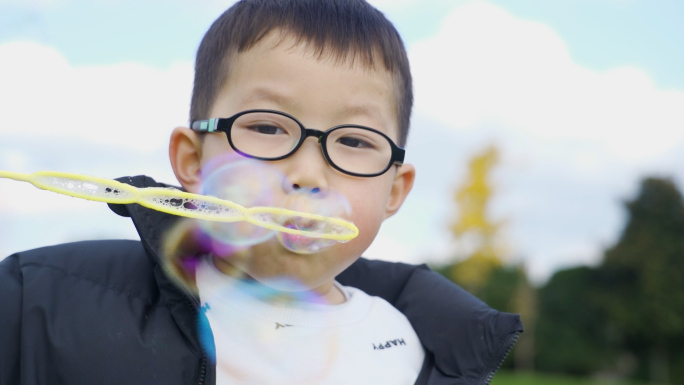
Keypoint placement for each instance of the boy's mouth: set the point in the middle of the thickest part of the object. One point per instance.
(301, 244)
(297, 243)
(328, 205)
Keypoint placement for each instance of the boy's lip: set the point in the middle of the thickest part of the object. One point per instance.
(297, 243)
(300, 224)
(297, 240)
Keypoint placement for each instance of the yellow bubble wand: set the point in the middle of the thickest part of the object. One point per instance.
(184, 204)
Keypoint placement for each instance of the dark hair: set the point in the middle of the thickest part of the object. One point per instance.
(344, 30)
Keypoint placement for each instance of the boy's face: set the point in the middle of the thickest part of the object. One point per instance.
(321, 94)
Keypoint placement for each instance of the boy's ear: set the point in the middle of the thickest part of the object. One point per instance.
(401, 186)
(185, 154)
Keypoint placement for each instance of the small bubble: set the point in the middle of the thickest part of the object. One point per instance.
(325, 203)
(252, 183)
(248, 183)
(319, 343)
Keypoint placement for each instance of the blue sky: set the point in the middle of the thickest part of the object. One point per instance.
(600, 33)
(582, 97)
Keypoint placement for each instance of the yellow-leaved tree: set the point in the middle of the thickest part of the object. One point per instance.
(476, 235)
(481, 265)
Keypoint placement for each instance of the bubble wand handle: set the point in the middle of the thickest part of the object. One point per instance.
(175, 202)
(15, 176)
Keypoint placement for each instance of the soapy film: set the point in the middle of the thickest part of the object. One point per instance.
(328, 203)
(247, 183)
(296, 223)
(303, 355)
(176, 202)
(255, 184)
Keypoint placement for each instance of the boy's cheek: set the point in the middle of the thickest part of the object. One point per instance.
(215, 145)
(368, 202)
(368, 219)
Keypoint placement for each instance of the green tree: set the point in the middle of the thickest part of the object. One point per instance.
(573, 334)
(645, 271)
(626, 316)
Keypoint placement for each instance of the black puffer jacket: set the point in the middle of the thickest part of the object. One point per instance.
(104, 312)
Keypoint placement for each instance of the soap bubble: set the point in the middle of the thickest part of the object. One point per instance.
(251, 183)
(291, 333)
(308, 200)
(259, 335)
(248, 183)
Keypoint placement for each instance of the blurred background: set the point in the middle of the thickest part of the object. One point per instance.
(548, 138)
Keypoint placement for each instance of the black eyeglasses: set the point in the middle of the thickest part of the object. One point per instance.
(274, 135)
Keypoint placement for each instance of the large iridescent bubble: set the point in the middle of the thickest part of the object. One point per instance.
(248, 183)
(311, 200)
(260, 335)
(252, 183)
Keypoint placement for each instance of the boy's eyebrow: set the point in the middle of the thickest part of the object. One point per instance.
(261, 94)
(363, 110)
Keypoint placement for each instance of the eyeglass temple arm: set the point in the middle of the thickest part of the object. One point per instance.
(398, 154)
(209, 125)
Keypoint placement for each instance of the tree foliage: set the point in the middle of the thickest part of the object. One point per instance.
(626, 316)
(478, 262)
(622, 318)
(645, 270)
(473, 229)
(572, 332)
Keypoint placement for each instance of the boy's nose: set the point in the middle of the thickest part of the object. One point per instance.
(314, 190)
(307, 167)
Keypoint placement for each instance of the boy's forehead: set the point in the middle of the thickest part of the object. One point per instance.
(265, 80)
(321, 51)
(259, 94)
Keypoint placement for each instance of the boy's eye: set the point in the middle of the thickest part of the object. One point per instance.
(266, 129)
(354, 142)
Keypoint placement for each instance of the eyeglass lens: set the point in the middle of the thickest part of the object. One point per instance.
(269, 136)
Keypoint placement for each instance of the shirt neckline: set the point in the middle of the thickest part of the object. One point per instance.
(246, 297)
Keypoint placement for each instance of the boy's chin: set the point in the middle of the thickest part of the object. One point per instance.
(276, 267)
(284, 284)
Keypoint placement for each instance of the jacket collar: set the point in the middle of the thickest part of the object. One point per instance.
(151, 224)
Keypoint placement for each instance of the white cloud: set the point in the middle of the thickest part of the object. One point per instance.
(37, 4)
(391, 4)
(131, 105)
(488, 67)
(388, 248)
(575, 141)
(107, 121)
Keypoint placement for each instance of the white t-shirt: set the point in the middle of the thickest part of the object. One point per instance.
(362, 341)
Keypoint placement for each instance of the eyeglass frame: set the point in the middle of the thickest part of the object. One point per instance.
(225, 124)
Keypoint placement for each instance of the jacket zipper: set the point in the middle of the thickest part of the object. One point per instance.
(203, 364)
(511, 344)
(188, 300)
(203, 370)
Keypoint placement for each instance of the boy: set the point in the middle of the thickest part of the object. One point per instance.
(106, 312)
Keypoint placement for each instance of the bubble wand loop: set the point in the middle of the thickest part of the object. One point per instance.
(175, 202)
